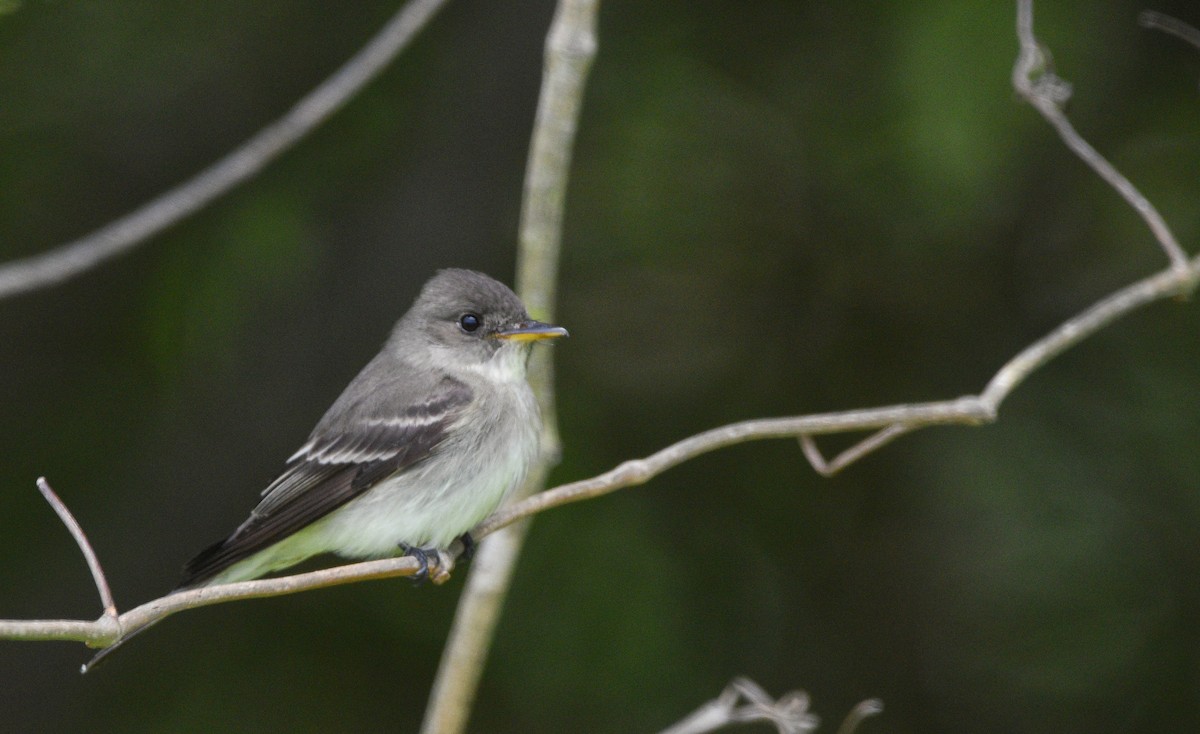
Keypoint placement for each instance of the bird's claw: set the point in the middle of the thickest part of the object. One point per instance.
(442, 564)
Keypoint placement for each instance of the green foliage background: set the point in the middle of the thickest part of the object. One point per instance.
(777, 208)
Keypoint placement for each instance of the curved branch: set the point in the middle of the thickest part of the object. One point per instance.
(970, 410)
(122, 235)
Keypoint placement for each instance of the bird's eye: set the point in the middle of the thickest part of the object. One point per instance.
(469, 322)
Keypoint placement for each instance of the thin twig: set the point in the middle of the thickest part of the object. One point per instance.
(85, 547)
(122, 235)
(570, 47)
(1171, 26)
(1034, 79)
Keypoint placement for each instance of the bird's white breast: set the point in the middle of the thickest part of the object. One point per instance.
(431, 504)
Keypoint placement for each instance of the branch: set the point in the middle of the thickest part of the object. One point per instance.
(970, 410)
(122, 235)
(570, 47)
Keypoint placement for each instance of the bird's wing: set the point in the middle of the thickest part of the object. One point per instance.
(342, 459)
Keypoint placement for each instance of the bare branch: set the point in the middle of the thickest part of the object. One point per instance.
(570, 47)
(1034, 79)
(122, 235)
(1172, 26)
(85, 547)
(971, 410)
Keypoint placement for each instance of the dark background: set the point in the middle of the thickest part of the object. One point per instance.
(776, 208)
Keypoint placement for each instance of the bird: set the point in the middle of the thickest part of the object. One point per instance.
(421, 446)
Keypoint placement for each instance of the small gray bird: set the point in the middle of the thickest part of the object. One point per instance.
(422, 445)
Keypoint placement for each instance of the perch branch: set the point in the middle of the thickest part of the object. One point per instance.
(970, 410)
(122, 235)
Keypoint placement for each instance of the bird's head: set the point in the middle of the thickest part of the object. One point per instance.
(474, 322)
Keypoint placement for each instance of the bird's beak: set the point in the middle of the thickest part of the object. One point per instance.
(529, 331)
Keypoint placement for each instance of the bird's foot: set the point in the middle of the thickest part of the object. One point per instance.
(442, 563)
